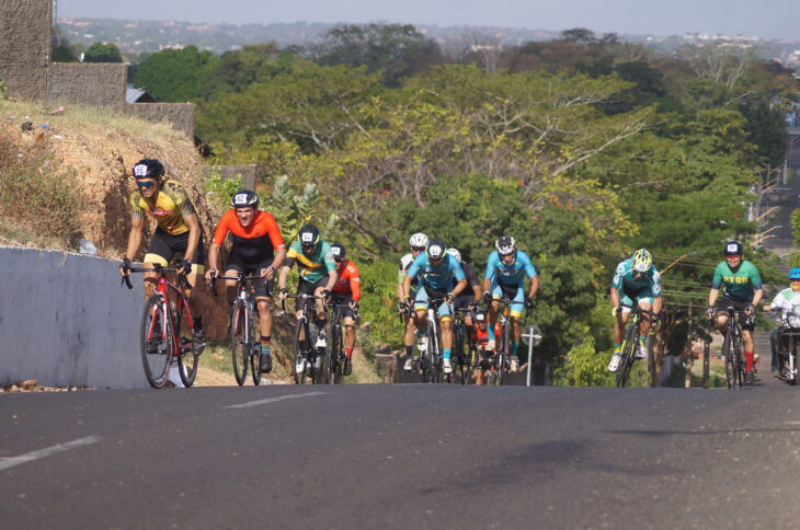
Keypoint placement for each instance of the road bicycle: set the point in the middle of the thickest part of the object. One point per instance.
(630, 344)
(311, 353)
(335, 367)
(427, 366)
(733, 349)
(789, 347)
(243, 329)
(167, 329)
(465, 356)
(502, 352)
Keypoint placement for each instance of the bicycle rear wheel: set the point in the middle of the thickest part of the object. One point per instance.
(187, 360)
(795, 351)
(738, 357)
(240, 349)
(337, 353)
(504, 354)
(155, 345)
(255, 348)
(300, 364)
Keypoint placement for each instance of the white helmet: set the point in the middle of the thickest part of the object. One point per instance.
(418, 240)
(455, 253)
(505, 245)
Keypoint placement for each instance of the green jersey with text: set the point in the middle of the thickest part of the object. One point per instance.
(740, 284)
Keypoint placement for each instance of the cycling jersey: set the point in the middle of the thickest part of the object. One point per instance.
(349, 281)
(405, 263)
(256, 242)
(440, 277)
(171, 205)
(648, 286)
(472, 280)
(315, 267)
(739, 285)
(510, 274)
(786, 300)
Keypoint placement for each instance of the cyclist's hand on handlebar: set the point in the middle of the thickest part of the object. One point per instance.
(449, 298)
(124, 267)
(710, 313)
(211, 274)
(268, 272)
(354, 305)
(749, 309)
(487, 297)
(282, 293)
(325, 294)
(529, 303)
(185, 266)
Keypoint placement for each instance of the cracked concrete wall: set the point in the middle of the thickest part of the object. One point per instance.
(101, 84)
(26, 40)
(65, 321)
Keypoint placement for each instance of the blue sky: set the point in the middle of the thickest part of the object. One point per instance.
(764, 18)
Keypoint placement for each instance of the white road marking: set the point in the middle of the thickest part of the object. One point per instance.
(275, 399)
(6, 463)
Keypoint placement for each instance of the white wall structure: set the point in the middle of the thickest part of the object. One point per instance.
(65, 321)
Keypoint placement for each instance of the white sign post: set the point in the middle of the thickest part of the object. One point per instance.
(532, 337)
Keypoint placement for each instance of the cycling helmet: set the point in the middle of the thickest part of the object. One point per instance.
(338, 252)
(436, 249)
(733, 248)
(794, 274)
(244, 199)
(418, 240)
(505, 245)
(641, 261)
(148, 168)
(455, 253)
(308, 237)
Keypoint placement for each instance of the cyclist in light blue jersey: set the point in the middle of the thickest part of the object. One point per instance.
(505, 277)
(636, 283)
(440, 276)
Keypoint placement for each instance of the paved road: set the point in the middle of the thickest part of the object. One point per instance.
(401, 456)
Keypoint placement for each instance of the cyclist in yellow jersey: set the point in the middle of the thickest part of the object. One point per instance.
(178, 231)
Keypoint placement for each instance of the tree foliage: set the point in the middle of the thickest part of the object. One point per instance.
(102, 52)
(176, 75)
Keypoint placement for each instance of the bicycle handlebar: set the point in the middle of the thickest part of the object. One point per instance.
(160, 269)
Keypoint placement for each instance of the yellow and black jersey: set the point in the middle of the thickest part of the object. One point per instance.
(171, 205)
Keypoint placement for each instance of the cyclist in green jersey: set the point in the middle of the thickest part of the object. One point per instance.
(318, 274)
(742, 290)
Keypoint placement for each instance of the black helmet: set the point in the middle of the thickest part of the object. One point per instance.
(148, 168)
(244, 199)
(308, 236)
(436, 248)
(733, 248)
(338, 252)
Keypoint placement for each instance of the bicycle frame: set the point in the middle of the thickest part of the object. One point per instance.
(630, 343)
(734, 344)
(163, 288)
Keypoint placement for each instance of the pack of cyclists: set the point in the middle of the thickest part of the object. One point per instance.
(430, 275)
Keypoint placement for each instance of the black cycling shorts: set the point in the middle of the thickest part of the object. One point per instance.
(166, 246)
(263, 287)
(306, 287)
(724, 304)
(344, 301)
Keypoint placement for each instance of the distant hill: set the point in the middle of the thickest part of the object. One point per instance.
(137, 36)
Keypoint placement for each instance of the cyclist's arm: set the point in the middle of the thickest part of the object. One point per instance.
(534, 286)
(355, 284)
(406, 288)
(194, 236)
(213, 257)
(459, 287)
(278, 244)
(476, 292)
(712, 297)
(332, 277)
(134, 237)
(757, 296)
(280, 255)
(287, 267)
(658, 303)
(614, 297)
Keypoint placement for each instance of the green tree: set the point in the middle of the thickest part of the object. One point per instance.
(176, 75)
(102, 52)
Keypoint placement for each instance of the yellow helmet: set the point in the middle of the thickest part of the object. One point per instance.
(642, 260)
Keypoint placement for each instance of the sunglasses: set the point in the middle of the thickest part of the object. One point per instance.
(417, 249)
(145, 185)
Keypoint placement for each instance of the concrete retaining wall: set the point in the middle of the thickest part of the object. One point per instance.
(26, 36)
(87, 83)
(179, 115)
(65, 321)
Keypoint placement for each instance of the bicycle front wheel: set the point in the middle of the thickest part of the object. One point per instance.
(337, 353)
(504, 355)
(240, 349)
(187, 360)
(156, 342)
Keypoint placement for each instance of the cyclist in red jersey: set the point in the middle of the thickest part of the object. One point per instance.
(347, 290)
(257, 248)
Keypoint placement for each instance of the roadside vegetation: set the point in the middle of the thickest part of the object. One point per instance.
(584, 148)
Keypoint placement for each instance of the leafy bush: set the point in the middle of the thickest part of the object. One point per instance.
(220, 191)
(38, 195)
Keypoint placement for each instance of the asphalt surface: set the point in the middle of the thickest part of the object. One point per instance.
(401, 456)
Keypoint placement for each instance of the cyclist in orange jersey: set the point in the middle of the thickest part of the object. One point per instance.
(347, 290)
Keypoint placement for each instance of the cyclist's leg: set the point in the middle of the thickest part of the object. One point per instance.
(446, 321)
(515, 313)
(421, 310)
(263, 292)
(645, 301)
(723, 306)
(159, 252)
(625, 303)
(749, 346)
(494, 308)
